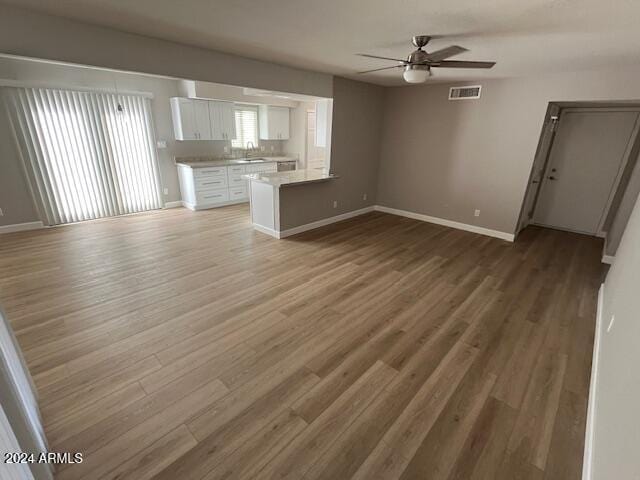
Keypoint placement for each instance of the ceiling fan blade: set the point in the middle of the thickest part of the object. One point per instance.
(463, 64)
(381, 58)
(441, 54)
(383, 68)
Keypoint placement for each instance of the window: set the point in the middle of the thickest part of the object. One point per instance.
(246, 126)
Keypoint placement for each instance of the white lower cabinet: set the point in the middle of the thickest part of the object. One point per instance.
(239, 193)
(210, 187)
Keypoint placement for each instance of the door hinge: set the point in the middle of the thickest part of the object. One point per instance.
(555, 120)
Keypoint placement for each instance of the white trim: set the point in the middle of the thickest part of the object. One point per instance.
(509, 237)
(323, 222)
(266, 230)
(608, 259)
(177, 204)
(19, 227)
(207, 206)
(593, 385)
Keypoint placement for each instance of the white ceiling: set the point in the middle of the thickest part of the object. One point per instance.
(524, 37)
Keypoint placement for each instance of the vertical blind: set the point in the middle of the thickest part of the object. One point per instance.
(246, 127)
(87, 155)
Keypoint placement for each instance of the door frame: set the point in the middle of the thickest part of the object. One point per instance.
(543, 153)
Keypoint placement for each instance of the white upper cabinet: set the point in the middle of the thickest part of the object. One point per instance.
(223, 121)
(184, 119)
(195, 119)
(203, 124)
(274, 122)
(190, 119)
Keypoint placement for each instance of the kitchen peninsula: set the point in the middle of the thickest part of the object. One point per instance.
(264, 195)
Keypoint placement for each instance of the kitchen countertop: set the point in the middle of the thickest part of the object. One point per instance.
(290, 178)
(200, 162)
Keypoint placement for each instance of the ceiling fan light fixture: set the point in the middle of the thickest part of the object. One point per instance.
(416, 73)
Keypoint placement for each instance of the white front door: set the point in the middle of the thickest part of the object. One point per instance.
(583, 168)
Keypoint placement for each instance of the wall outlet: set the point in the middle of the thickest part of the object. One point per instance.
(476, 213)
(1, 213)
(166, 191)
(226, 149)
(364, 196)
(161, 143)
(335, 204)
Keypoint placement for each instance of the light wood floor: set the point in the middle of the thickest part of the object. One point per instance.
(182, 345)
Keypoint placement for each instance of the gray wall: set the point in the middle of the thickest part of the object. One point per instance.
(35, 35)
(15, 199)
(617, 423)
(621, 210)
(357, 125)
(447, 158)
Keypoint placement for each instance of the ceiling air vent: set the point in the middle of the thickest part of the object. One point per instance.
(464, 93)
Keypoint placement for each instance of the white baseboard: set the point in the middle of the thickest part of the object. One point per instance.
(323, 222)
(608, 259)
(587, 460)
(447, 223)
(268, 231)
(19, 227)
(173, 204)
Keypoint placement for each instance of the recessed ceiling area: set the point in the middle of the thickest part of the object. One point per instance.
(524, 37)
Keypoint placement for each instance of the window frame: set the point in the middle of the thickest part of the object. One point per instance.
(240, 142)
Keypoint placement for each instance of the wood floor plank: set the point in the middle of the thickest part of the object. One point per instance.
(440, 449)
(177, 344)
(247, 423)
(534, 427)
(391, 456)
(301, 454)
(147, 433)
(154, 458)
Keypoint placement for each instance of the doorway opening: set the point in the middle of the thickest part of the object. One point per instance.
(315, 152)
(585, 156)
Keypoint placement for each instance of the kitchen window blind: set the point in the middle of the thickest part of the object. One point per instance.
(246, 127)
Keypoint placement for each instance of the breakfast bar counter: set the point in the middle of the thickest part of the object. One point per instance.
(264, 195)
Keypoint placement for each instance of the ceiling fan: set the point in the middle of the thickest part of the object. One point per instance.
(417, 66)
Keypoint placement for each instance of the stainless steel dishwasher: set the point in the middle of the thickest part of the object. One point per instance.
(287, 165)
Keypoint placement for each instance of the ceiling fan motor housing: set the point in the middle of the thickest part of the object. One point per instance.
(418, 56)
(420, 40)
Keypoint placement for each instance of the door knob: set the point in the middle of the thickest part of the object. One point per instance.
(552, 178)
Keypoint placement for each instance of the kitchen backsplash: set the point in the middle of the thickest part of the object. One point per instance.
(215, 148)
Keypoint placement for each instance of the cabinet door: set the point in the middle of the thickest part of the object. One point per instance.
(229, 120)
(215, 117)
(203, 123)
(279, 116)
(184, 120)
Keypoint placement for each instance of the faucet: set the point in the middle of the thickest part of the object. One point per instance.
(250, 149)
